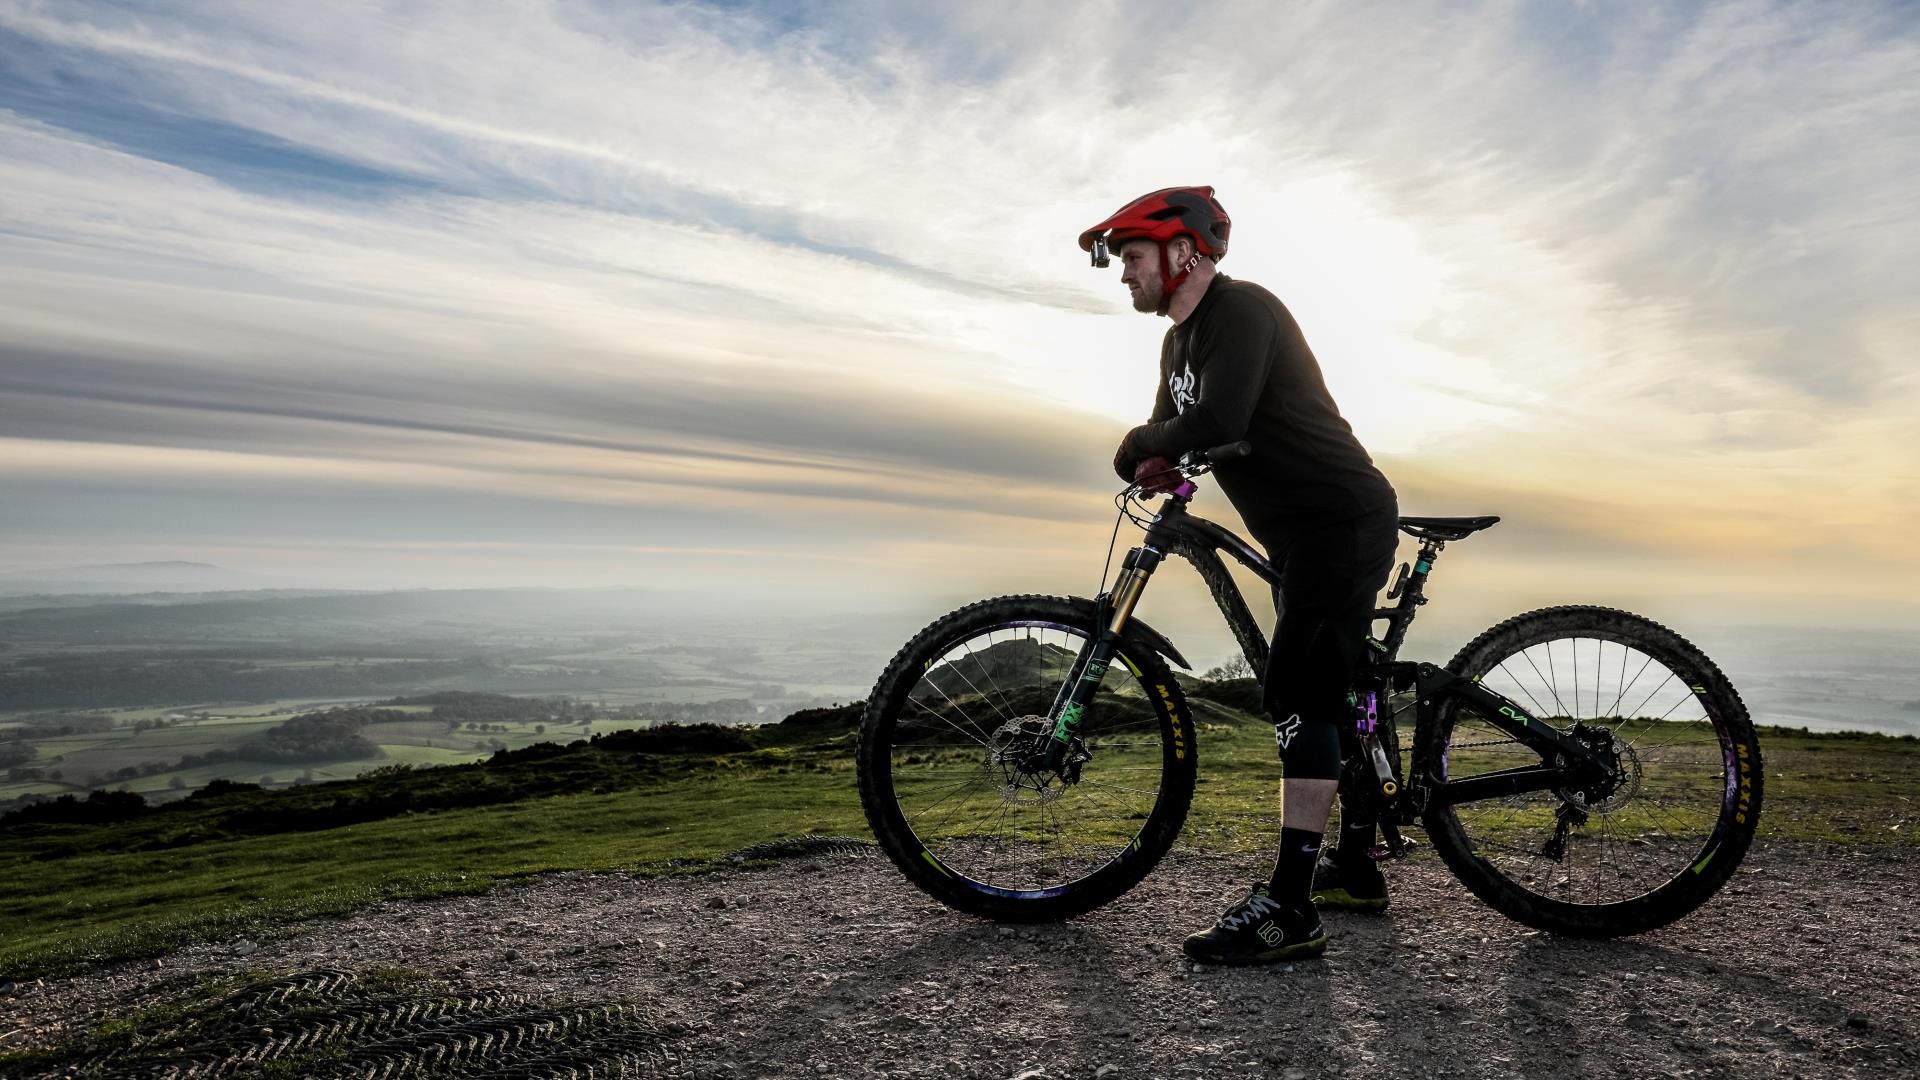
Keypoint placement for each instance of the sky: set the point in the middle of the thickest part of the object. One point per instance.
(783, 300)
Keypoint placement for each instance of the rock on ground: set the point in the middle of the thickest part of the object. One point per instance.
(1805, 965)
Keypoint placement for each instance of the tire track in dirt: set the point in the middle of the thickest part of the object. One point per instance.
(826, 965)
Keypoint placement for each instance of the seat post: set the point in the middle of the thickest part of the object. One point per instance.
(1413, 593)
(1422, 564)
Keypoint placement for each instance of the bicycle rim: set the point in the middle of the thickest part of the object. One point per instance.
(963, 727)
(1677, 802)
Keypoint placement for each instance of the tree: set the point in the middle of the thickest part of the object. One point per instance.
(329, 736)
(1234, 668)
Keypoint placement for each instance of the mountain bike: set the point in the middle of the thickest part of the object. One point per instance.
(1582, 770)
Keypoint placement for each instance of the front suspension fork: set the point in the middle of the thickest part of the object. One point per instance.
(1114, 609)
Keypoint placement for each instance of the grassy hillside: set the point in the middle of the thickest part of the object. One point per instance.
(621, 647)
(164, 753)
(665, 800)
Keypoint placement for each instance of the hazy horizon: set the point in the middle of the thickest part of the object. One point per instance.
(782, 303)
(1831, 679)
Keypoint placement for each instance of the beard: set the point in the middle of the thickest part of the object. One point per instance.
(1148, 298)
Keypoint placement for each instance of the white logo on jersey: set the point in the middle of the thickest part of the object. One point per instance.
(1181, 387)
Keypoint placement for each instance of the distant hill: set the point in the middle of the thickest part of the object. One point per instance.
(12, 602)
(293, 614)
(1018, 662)
(170, 576)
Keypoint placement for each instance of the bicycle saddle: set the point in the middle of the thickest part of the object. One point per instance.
(1445, 528)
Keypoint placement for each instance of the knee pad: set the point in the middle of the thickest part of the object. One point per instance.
(1309, 751)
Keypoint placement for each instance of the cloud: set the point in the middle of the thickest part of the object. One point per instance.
(1638, 272)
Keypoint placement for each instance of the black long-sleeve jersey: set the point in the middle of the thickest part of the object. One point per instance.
(1239, 368)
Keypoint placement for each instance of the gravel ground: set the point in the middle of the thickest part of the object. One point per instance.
(1805, 966)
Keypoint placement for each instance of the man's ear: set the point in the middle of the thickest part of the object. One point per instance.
(1179, 251)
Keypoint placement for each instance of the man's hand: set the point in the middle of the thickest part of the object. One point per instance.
(1158, 475)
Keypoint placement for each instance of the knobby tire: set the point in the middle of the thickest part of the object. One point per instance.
(941, 863)
(1471, 848)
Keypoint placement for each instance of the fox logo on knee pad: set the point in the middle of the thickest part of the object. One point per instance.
(1285, 730)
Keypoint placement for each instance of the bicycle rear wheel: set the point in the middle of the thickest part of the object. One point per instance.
(1654, 842)
(942, 746)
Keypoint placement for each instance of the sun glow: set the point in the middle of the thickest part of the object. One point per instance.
(816, 282)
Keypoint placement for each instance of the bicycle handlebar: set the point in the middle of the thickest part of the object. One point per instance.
(1195, 462)
(1222, 453)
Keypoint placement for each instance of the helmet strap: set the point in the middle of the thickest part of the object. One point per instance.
(1170, 282)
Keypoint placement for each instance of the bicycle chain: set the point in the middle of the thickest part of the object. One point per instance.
(1476, 745)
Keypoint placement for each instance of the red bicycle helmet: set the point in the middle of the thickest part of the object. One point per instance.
(1160, 217)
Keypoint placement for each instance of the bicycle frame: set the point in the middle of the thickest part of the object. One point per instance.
(1174, 531)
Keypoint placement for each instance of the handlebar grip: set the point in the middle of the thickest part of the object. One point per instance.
(1229, 451)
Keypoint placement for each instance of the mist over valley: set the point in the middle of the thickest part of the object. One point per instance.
(161, 693)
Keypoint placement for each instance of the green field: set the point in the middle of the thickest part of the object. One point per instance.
(90, 760)
(93, 893)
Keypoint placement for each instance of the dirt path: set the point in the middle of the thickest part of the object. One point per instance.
(1809, 965)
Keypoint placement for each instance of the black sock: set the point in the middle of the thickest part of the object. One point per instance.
(1356, 839)
(1293, 867)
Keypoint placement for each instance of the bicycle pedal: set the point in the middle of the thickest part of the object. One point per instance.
(1382, 853)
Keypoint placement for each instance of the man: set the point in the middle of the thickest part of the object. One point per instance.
(1233, 366)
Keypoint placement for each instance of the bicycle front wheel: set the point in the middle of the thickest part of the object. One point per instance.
(948, 738)
(1652, 843)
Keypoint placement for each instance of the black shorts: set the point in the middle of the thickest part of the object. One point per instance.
(1330, 576)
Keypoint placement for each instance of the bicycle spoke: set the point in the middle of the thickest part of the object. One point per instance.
(1644, 664)
(1115, 802)
(1523, 689)
(1121, 787)
(1543, 678)
(996, 819)
(1574, 647)
(949, 722)
(1005, 712)
(1641, 708)
(1617, 839)
(935, 826)
(1555, 685)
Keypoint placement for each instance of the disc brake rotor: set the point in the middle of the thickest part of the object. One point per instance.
(1015, 745)
(1621, 784)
